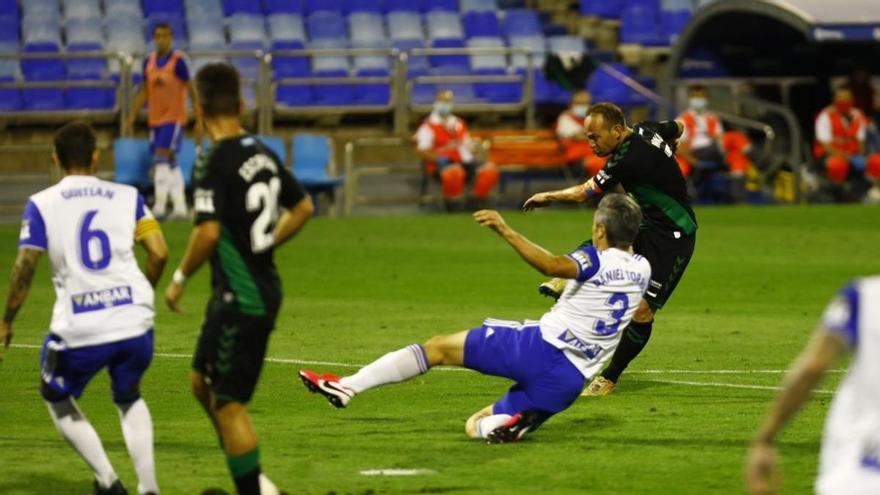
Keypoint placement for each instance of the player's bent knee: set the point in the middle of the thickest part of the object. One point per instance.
(49, 394)
(123, 397)
(434, 350)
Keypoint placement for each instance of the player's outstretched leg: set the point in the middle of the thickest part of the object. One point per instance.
(394, 367)
(501, 428)
(79, 433)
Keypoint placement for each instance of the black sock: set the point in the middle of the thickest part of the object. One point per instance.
(634, 339)
(245, 470)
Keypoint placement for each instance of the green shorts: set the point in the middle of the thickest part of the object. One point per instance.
(231, 350)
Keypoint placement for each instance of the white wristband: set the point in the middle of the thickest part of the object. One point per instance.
(178, 277)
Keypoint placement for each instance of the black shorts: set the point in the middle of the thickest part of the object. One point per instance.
(668, 257)
(231, 350)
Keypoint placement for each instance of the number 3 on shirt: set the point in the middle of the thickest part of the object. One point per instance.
(263, 196)
(617, 299)
(93, 238)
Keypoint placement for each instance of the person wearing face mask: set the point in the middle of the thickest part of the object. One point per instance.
(573, 140)
(707, 148)
(840, 141)
(445, 146)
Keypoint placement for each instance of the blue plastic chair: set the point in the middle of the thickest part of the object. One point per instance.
(404, 26)
(444, 25)
(10, 99)
(132, 162)
(311, 157)
(416, 65)
(352, 6)
(326, 25)
(286, 66)
(402, 6)
(479, 6)
(249, 7)
(641, 25)
(283, 6)
(604, 87)
(366, 27)
(43, 69)
(440, 5)
(86, 68)
(9, 8)
(477, 24)
(172, 7)
(607, 9)
(294, 95)
(372, 94)
(312, 6)
(460, 62)
(286, 27)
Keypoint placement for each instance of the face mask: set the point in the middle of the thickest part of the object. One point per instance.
(580, 110)
(443, 108)
(698, 103)
(843, 106)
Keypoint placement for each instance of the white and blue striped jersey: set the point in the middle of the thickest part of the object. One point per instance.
(850, 459)
(587, 320)
(87, 227)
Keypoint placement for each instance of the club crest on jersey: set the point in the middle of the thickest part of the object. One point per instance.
(101, 299)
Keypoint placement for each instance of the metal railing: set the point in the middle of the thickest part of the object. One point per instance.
(264, 85)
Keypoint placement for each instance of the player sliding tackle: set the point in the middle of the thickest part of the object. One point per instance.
(548, 359)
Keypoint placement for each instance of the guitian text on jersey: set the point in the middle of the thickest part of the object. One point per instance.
(101, 299)
(619, 274)
(87, 192)
(255, 165)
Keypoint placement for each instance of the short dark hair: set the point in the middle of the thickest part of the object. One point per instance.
(697, 87)
(75, 145)
(162, 25)
(611, 114)
(219, 90)
(621, 216)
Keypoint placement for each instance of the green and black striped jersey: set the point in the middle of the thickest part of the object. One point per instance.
(242, 184)
(644, 164)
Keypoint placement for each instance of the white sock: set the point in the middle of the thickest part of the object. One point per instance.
(77, 430)
(162, 186)
(178, 191)
(487, 424)
(393, 367)
(137, 428)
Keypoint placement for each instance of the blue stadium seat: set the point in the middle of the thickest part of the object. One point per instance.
(494, 64)
(405, 26)
(352, 6)
(86, 68)
(41, 9)
(246, 28)
(330, 66)
(91, 98)
(294, 95)
(402, 6)
(286, 27)
(10, 99)
(371, 62)
(326, 25)
(204, 9)
(9, 68)
(605, 87)
(672, 23)
(287, 66)
(423, 94)
(440, 5)
(372, 94)
(416, 65)
(118, 8)
(480, 24)
(43, 99)
(536, 44)
(312, 6)
(206, 34)
(9, 8)
(43, 69)
(522, 22)
(460, 61)
(607, 9)
(41, 31)
(10, 31)
(283, 6)
(131, 158)
(311, 157)
(83, 30)
(172, 7)
(366, 26)
(443, 25)
(639, 24)
(81, 9)
(464, 92)
(479, 6)
(248, 7)
(248, 67)
(677, 5)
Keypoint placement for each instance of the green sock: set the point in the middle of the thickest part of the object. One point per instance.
(245, 470)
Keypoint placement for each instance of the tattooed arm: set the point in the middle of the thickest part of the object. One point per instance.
(19, 284)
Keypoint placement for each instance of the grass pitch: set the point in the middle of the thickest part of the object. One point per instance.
(356, 288)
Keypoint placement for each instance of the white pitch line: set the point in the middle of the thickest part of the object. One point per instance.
(450, 368)
(720, 384)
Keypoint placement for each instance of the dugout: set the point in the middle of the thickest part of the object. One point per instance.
(783, 51)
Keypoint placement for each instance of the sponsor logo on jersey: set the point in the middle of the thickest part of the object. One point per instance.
(589, 350)
(25, 233)
(101, 299)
